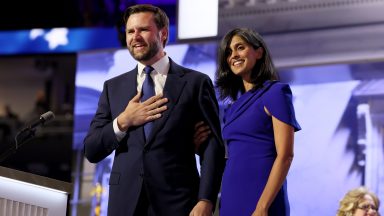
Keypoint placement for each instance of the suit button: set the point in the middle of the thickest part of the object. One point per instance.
(145, 150)
(141, 174)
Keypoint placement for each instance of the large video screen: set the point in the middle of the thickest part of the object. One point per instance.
(197, 19)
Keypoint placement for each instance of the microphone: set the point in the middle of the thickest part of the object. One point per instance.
(45, 117)
(27, 133)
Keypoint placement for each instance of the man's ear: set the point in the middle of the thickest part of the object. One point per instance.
(163, 34)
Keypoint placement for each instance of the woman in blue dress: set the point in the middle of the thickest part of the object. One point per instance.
(258, 128)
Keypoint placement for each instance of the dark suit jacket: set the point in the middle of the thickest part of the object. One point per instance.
(165, 164)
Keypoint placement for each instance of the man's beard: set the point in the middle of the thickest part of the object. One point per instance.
(152, 50)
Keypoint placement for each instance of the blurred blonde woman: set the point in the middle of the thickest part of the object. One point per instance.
(359, 202)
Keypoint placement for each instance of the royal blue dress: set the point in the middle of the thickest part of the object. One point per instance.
(248, 132)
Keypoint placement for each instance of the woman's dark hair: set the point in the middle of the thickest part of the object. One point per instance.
(228, 83)
(161, 18)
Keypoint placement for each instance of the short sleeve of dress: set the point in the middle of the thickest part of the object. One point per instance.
(278, 100)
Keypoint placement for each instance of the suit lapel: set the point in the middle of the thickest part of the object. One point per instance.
(127, 89)
(173, 87)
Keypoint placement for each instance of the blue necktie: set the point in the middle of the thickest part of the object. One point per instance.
(147, 91)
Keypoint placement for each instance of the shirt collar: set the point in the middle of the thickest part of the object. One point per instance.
(161, 66)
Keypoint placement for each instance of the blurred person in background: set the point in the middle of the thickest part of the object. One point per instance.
(359, 202)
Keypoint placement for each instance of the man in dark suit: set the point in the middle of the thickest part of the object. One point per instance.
(155, 173)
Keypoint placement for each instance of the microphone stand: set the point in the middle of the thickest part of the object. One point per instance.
(21, 138)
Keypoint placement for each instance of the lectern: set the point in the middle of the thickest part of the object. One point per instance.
(24, 193)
